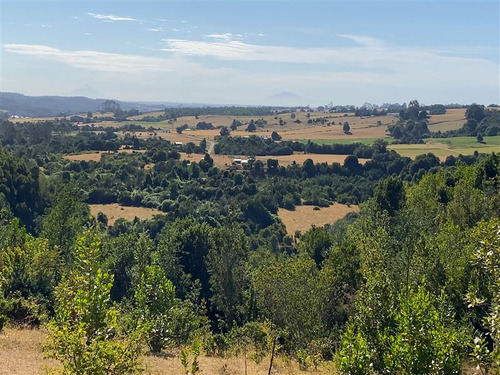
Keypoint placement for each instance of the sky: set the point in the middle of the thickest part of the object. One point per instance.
(254, 53)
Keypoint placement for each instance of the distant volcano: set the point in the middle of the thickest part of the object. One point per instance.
(87, 91)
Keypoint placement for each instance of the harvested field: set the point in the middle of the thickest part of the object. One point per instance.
(114, 212)
(225, 161)
(21, 354)
(96, 156)
(220, 161)
(303, 217)
(453, 119)
(285, 160)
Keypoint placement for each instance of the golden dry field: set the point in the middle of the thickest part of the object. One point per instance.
(285, 160)
(303, 217)
(453, 119)
(225, 161)
(114, 211)
(21, 354)
(96, 156)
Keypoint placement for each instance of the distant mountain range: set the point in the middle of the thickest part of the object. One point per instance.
(41, 106)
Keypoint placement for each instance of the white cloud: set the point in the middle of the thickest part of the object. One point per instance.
(363, 40)
(114, 62)
(110, 17)
(225, 36)
(93, 60)
(155, 29)
(369, 55)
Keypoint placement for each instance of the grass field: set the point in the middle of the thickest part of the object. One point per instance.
(96, 156)
(345, 141)
(21, 354)
(114, 212)
(443, 147)
(303, 217)
(453, 119)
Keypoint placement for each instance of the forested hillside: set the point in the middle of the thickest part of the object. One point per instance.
(408, 285)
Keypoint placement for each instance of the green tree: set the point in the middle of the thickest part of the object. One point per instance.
(290, 295)
(224, 131)
(475, 112)
(84, 333)
(275, 136)
(154, 299)
(228, 279)
(346, 128)
(484, 292)
(390, 195)
(251, 127)
(65, 220)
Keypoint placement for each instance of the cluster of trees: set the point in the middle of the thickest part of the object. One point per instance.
(412, 124)
(480, 122)
(259, 146)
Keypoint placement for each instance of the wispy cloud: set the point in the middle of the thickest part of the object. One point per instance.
(93, 60)
(367, 60)
(157, 29)
(114, 62)
(363, 40)
(225, 36)
(366, 52)
(111, 17)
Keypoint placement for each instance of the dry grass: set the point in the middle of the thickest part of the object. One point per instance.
(96, 156)
(285, 160)
(452, 120)
(225, 161)
(303, 217)
(21, 354)
(114, 212)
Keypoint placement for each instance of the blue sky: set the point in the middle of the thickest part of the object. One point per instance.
(247, 52)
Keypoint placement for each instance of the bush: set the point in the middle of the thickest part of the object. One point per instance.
(3, 321)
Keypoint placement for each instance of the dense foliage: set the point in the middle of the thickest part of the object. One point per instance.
(409, 284)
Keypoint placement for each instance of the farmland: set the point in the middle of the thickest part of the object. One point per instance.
(449, 146)
(96, 156)
(304, 217)
(114, 212)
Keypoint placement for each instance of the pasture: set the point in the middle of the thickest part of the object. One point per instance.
(303, 217)
(21, 354)
(443, 147)
(114, 212)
